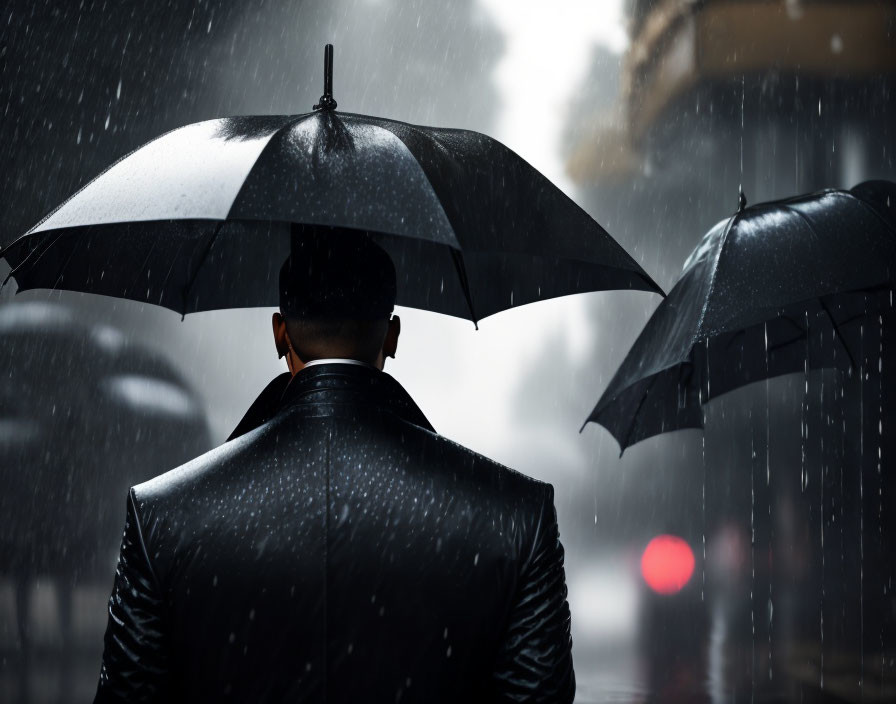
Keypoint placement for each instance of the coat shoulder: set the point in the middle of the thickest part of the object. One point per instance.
(192, 475)
(489, 470)
(268, 446)
(467, 474)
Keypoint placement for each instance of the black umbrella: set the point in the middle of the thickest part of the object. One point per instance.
(199, 218)
(84, 414)
(777, 288)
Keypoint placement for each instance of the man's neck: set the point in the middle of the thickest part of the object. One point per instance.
(338, 360)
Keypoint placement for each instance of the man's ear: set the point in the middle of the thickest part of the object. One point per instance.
(279, 325)
(390, 344)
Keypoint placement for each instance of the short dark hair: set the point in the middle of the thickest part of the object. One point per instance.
(336, 273)
(337, 291)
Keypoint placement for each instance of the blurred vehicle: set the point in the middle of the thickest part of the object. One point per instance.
(84, 414)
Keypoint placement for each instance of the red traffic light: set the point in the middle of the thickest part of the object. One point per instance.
(667, 564)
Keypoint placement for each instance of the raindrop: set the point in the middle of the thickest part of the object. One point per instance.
(703, 507)
(752, 549)
(771, 613)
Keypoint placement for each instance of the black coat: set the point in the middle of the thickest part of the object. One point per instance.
(340, 552)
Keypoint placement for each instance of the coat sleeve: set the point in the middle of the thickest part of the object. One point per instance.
(135, 656)
(535, 659)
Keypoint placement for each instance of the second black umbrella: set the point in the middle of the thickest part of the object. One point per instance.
(778, 287)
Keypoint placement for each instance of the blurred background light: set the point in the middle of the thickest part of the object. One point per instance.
(667, 564)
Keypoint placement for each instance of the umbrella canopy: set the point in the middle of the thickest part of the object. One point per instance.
(777, 288)
(84, 414)
(198, 218)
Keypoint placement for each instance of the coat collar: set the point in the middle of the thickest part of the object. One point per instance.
(352, 384)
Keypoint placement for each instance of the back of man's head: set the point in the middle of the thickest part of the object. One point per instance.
(337, 292)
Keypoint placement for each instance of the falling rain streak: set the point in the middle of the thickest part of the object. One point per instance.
(794, 596)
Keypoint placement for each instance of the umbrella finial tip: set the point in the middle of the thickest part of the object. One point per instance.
(741, 200)
(327, 102)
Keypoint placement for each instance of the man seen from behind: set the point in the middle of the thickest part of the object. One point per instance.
(337, 549)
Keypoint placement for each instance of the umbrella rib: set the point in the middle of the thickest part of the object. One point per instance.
(803, 331)
(802, 217)
(867, 206)
(715, 271)
(27, 259)
(186, 290)
(464, 282)
(782, 345)
(852, 362)
(734, 338)
(631, 426)
(168, 275)
(142, 267)
(65, 266)
(742, 332)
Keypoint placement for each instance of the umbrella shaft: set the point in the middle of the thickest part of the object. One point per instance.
(328, 69)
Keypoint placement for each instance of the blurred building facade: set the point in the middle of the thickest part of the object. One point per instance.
(791, 519)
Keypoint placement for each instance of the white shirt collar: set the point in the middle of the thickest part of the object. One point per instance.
(356, 362)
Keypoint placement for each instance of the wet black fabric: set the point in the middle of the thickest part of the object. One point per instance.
(775, 288)
(199, 218)
(340, 552)
(264, 407)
